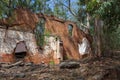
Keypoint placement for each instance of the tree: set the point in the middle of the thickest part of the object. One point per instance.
(59, 10)
(107, 12)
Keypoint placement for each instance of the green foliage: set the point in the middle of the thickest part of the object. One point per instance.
(52, 63)
(39, 32)
(81, 13)
(4, 8)
(47, 33)
(108, 11)
(7, 6)
(112, 39)
(93, 5)
(59, 10)
(92, 30)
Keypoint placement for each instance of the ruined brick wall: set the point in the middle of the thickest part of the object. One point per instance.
(16, 28)
(10, 38)
(21, 29)
(21, 19)
(70, 43)
(52, 45)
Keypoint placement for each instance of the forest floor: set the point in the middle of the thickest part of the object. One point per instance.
(104, 68)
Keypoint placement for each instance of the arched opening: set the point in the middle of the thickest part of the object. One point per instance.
(20, 51)
(70, 29)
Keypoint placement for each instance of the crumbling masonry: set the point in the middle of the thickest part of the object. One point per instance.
(65, 40)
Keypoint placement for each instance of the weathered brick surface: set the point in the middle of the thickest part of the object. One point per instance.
(20, 28)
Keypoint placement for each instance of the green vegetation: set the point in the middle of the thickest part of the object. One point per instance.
(39, 31)
(52, 63)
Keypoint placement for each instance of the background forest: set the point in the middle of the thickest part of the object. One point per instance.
(99, 18)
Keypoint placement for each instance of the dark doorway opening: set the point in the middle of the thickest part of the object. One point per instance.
(20, 51)
(20, 55)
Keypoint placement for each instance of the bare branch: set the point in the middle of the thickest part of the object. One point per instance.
(83, 25)
(69, 8)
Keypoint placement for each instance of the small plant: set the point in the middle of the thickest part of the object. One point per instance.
(52, 62)
(47, 33)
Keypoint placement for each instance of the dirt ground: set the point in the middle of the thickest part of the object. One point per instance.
(104, 68)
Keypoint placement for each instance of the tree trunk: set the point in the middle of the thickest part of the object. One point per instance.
(98, 37)
(87, 31)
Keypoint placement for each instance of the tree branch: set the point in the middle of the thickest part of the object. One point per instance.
(69, 7)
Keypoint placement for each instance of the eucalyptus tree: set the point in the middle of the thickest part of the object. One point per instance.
(59, 10)
(107, 11)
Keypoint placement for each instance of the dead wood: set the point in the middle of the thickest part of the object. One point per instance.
(11, 65)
